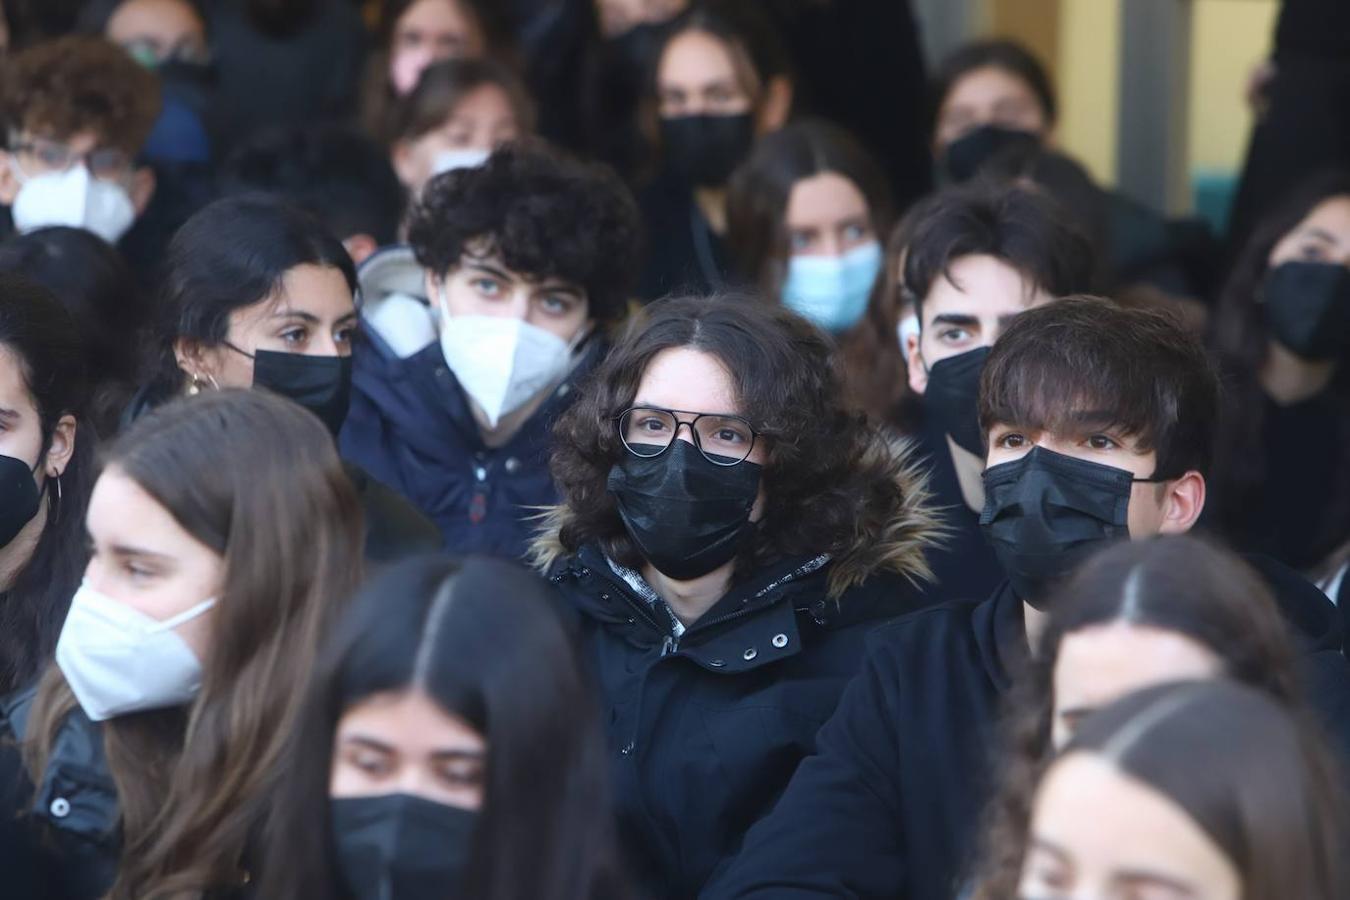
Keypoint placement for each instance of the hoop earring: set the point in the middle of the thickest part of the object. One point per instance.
(56, 516)
(197, 384)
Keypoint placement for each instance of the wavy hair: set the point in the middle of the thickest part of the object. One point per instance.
(831, 482)
(256, 479)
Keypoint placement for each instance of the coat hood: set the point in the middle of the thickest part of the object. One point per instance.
(896, 545)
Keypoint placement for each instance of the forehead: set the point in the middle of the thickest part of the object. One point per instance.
(439, 15)
(690, 380)
(487, 101)
(121, 511)
(981, 286)
(14, 391)
(136, 18)
(696, 57)
(987, 86)
(1331, 216)
(828, 196)
(1101, 664)
(411, 722)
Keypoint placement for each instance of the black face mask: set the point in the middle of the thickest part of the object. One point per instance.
(953, 395)
(321, 384)
(1307, 306)
(401, 847)
(705, 150)
(687, 516)
(19, 498)
(1046, 511)
(965, 155)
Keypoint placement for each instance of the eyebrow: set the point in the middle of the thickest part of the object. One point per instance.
(643, 404)
(955, 319)
(491, 269)
(374, 744)
(1135, 876)
(1321, 234)
(1040, 843)
(309, 318)
(124, 550)
(1076, 712)
(7, 413)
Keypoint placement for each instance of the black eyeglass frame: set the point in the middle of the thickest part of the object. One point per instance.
(693, 430)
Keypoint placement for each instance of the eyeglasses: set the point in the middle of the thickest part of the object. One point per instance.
(38, 155)
(724, 440)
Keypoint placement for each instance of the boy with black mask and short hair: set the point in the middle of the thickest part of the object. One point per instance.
(1099, 422)
(526, 261)
(979, 256)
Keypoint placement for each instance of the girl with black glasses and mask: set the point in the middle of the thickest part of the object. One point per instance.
(258, 293)
(729, 535)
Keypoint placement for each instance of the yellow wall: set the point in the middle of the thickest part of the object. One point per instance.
(1089, 54)
(1228, 38)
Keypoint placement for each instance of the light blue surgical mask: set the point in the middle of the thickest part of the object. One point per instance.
(832, 291)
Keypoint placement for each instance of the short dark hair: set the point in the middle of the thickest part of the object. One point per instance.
(1017, 224)
(1141, 370)
(547, 214)
(77, 83)
(999, 53)
(828, 475)
(335, 172)
(443, 86)
(760, 190)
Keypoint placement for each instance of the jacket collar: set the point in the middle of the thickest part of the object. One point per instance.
(1000, 631)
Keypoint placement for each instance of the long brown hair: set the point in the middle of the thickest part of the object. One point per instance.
(258, 480)
(1180, 584)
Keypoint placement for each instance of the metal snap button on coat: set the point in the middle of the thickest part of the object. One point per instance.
(750, 654)
(60, 807)
(512, 466)
(780, 641)
(717, 663)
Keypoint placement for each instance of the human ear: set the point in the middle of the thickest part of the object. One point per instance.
(1183, 503)
(777, 105)
(196, 360)
(142, 188)
(9, 182)
(62, 447)
(918, 375)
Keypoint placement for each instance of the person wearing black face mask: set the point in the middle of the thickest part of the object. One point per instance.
(1281, 484)
(720, 80)
(729, 536)
(259, 294)
(978, 256)
(452, 748)
(1099, 427)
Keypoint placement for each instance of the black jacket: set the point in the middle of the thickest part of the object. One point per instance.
(706, 727)
(888, 806)
(60, 840)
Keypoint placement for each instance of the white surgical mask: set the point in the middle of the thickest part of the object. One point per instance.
(118, 660)
(502, 362)
(76, 199)
(832, 291)
(449, 160)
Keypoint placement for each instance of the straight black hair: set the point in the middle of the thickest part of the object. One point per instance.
(483, 640)
(231, 255)
(92, 281)
(45, 340)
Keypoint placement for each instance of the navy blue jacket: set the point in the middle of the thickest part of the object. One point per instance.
(706, 729)
(888, 806)
(410, 426)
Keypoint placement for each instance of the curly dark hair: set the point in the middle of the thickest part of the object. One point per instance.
(1180, 584)
(831, 482)
(62, 87)
(547, 214)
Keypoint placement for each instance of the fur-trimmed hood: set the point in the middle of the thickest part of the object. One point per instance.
(897, 547)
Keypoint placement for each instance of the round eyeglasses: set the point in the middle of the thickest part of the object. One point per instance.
(724, 440)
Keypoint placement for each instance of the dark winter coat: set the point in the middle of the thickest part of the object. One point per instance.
(706, 728)
(411, 427)
(888, 806)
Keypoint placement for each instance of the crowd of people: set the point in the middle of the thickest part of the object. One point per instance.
(598, 449)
